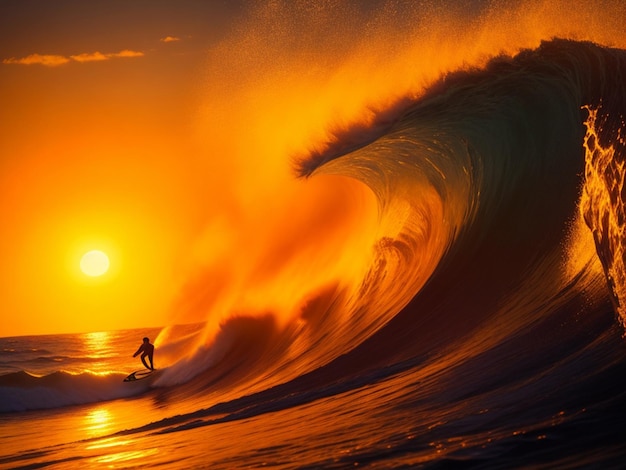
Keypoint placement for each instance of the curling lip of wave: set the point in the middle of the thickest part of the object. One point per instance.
(348, 140)
(581, 63)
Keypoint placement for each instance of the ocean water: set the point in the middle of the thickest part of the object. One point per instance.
(487, 331)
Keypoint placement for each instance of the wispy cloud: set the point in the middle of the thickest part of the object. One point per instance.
(89, 57)
(170, 39)
(99, 56)
(128, 53)
(49, 60)
(56, 60)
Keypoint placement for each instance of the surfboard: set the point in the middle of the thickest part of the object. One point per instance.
(139, 374)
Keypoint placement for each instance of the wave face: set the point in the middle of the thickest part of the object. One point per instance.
(494, 252)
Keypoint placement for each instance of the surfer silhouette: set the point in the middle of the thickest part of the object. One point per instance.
(146, 349)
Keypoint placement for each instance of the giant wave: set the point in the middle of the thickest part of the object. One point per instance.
(499, 269)
(487, 224)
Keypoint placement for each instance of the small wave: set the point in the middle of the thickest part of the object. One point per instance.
(21, 391)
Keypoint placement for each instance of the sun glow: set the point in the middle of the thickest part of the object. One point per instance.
(94, 263)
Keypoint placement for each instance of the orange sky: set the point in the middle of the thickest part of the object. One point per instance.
(164, 134)
(96, 151)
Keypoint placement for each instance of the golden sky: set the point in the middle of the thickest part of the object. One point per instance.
(97, 152)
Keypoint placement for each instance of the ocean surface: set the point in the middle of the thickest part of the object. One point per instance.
(486, 332)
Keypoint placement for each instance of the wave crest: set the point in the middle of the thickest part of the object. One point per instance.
(20, 391)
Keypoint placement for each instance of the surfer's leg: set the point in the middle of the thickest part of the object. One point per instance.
(145, 363)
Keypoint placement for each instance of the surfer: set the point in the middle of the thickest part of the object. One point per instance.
(146, 349)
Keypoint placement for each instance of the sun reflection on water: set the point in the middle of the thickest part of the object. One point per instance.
(102, 422)
(98, 421)
(116, 450)
(97, 343)
(98, 348)
(124, 456)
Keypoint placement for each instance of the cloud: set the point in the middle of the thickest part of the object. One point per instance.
(48, 60)
(169, 39)
(90, 57)
(127, 53)
(55, 60)
(98, 56)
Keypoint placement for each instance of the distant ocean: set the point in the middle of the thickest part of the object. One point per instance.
(503, 349)
(52, 371)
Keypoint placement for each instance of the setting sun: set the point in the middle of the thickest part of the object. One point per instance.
(94, 263)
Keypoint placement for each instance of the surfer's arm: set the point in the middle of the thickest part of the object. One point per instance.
(138, 351)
